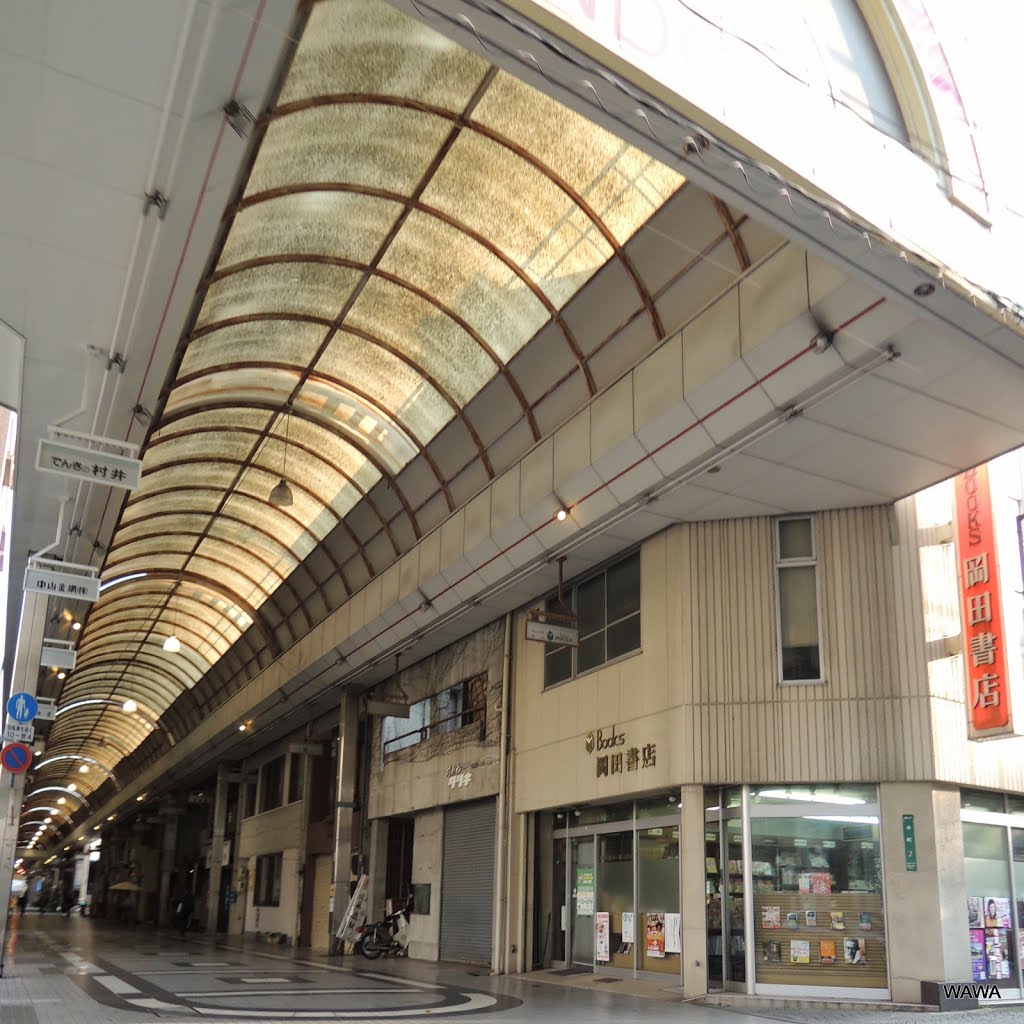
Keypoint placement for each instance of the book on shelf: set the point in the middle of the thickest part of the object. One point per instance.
(799, 951)
(771, 917)
(792, 919)
(836, 919)
(827, 952)
(811, 918)
(855, 951)
(772, 951)
(864, 922)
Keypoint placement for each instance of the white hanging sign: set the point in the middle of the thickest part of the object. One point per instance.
(46, 710)
(88, 458)
(57, 654)
(62, 579)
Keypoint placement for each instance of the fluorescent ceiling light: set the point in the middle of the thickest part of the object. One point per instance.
(855, 819)
(806, 796)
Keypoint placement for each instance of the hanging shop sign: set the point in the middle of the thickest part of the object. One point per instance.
(552, 628)
(62, 579)
(616, 761)
(57, 654)
(988, 689)
(90, 459)
(46, 710)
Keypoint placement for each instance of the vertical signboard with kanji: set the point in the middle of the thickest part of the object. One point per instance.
(988, 686)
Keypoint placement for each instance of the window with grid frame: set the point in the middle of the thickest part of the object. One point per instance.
(267, 891)
(607, 605)
(796, 567)
(272, 784)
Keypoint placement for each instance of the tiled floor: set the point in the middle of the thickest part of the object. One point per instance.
(77, 971)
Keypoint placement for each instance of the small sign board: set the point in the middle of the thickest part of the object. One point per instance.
(61, 583)
(14, 732)
(553, 628)
(46, 710)
(57, 654)
(22, 707)
(909, 843)
(15, 758)
(88, 458)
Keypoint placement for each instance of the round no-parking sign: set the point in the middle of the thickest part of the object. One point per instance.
(16, 758)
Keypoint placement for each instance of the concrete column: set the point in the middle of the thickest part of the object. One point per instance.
(926, 909)
(348, 753)
(692, 892)
(168, 852)
(220, 813)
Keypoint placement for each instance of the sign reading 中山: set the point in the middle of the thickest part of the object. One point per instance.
(22, 707)
(552, 628)
(909, 843)
(88, 458)
(631, 759)
(78, 582)
(988, 689)
(16, 733)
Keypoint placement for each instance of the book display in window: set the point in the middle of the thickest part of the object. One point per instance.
(827, 952)
(800, 951)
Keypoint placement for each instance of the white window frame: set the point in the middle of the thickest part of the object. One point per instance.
(790, 563)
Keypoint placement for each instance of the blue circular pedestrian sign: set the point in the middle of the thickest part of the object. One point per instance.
(16, 758)
(22, 707)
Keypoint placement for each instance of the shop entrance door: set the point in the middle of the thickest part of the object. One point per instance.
(584, 892)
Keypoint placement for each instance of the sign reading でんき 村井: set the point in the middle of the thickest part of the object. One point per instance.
(988, 689)
(89, 459)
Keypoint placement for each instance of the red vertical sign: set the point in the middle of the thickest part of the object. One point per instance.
(988, 687)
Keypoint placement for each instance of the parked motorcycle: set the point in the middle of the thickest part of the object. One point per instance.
(389, 936)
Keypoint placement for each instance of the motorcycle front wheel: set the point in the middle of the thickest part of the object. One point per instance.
(368, 945)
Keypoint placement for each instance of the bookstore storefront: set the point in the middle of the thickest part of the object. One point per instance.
(793, 883)
(993, 829)
(614, 887)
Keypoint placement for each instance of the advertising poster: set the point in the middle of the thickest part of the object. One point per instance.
(585, 892)
(673, 933)
(997, 912)
(974, 912)
(601, 927)
(628, 935)
(656, 935)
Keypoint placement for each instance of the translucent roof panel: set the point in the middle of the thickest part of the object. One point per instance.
(413, 217)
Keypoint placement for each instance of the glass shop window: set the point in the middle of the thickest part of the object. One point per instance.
(296, 772)
(267, 892)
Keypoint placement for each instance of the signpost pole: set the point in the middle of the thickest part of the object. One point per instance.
(24, 678)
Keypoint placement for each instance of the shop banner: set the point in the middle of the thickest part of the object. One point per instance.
(585, 892)
(673, 933)
(601, 926)
(656, 935)
(988, 685)
(629, 936)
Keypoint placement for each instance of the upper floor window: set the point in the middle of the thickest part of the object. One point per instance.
(296, 772)
(444, 712)
(607, 606)
(797, 571)
(272, 784)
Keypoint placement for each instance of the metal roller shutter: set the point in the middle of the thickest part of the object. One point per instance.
(467, 882)
(320, 932)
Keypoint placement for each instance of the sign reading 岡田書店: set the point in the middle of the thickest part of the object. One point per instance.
(89, 459)
(631, 759)
(988, 686)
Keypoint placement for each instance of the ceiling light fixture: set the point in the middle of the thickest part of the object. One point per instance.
(561, 514)
(281, 493)
(62, 675)
(83, 769)
(129, 707)
(76, 625)
(72, 788)
(171, 643)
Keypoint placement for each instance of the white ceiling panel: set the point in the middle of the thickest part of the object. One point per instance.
(796, 491)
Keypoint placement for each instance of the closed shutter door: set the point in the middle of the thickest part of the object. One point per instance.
(320, 931)
(467, 882)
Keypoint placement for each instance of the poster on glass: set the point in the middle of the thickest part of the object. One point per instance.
(656, 935)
